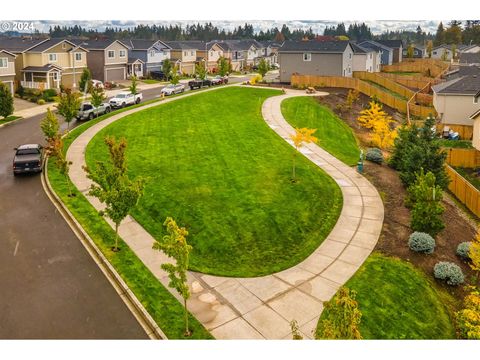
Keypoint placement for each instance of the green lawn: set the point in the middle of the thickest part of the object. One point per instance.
(470, 175)
(393, 93)
(398, 301)
(215, 166)
(158, 301)
(334, 135)
(8, 119)
(460, 144)
(406, 73)
(153, 81)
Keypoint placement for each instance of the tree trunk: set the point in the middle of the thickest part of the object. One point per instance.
(293, 169)
(187, 330)
(116, 237)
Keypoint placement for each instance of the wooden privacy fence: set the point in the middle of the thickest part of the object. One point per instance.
(465, 192)
(412, 81)
(468, 158)
(432, 67)
(465, 131)
(365, 88)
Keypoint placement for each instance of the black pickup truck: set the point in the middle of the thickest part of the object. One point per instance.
(198, 83)
(28, 158)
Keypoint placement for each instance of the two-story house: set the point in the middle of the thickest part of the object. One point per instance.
(214, 53)
(107, 59)
(46, 63)
(146, 56)
(365, 59)
(7, 69)
(270, 51)
(322, 58)
(241, 53)
(186, 54)
(419, 52)
(396, 46)
(386, 53)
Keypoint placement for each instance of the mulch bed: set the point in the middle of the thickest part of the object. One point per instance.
(396, 229)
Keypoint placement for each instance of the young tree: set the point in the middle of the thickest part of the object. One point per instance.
(300, 137)
(223, 66)
(49, 126)
(200, 71)
(6, 101)
(342, 318)
(410, 51)
(425, 197)
(97, 95)
(474, 254)
(263, 67)
(174, 77)
(167, 68)
(175, 246)
(444, 55)
(57, 149)
(85, 79)
(295, 331)
(68, 105)
(429, 48)
(454, 51)
(113, 187)
(468, 319)
(380, 122)
(416, 148)
(133, 85)
(352, 97)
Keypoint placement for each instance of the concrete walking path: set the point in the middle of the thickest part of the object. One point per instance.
(262, 307)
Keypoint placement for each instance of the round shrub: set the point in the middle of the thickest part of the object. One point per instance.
(374, 155)
(41, 102)
(449, 272)
(463, 249)
(421, 242)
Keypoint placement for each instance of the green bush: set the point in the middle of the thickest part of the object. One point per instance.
(463, 250)
(374, 155)
(41, 102)
(449, 272)
(49, 95)
(421, 242)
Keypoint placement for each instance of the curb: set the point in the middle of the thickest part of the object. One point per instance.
(134, 305)
(13, 121)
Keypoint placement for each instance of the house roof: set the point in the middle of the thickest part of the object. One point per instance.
(470, 58)
(132, 60)
(18, 44)
(370, 44)
(96, 44)
(8, 52)
(358, 49)
(44, 68)
(270, 43)
(238, 45)
(47, 44)
(469, 47)
(475, 114)
(464, 85)
(186, 45)
(391, 43)
(140, 44)
(315, 46)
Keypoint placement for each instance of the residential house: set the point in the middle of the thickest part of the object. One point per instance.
(365, 59)
(456, 100)
(469, 59)
(397, 46)
(445, 52)
(46, 63)
(107, 59)
(475, 117)
(242, 53)
(419, 52)
(7, 69)
(323, 58)
(473, 48)
(386, 53)
(270, 51)
(145, 56)
(186, 54)
(214, 53)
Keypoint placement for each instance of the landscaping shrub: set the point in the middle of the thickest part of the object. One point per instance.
(421, 242)
(21, 90)
(49, 95)
(463, 250)
(374, 155)
(468, 319)
(449, 272)
(41, 102)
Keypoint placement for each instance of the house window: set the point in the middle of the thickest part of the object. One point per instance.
(152, 53)
(307, 57)
(475, 99)
(3, 62)
(211, 53)
(191, 53)
(55, 76)
(350, 55)
(122, 53)
(52, 57)
(64, 45)
(164, 53)
(434, 53)
(111, 54)
(185, 53)
(78, 56)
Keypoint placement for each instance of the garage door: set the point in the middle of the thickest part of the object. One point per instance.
(115, 74)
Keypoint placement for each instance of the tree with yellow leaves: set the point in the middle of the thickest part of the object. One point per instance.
(379, 122)
(474, 254)
(468, 319)
(301, 136)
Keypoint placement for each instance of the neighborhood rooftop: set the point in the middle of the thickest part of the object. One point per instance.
(315, 46)
(468, 85)
(18, 44)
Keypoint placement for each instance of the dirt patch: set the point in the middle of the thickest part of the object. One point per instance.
(396, 228)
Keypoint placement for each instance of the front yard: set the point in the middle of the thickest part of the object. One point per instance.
(8, 119)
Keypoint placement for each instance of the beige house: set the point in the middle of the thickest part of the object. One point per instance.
(46, 63)
(242, 53)
(186, 54)
(456, 100)
(322, 58)
(365, 59)
(214, 53)
(7, 69)
(476, 129)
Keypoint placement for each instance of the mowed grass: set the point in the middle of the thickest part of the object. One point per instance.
(398, 301)
(333, 134)
(8, 119)
(215, 166)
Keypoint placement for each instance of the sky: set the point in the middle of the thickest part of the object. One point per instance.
(317, 26)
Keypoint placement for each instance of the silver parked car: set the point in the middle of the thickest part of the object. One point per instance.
(171, 89)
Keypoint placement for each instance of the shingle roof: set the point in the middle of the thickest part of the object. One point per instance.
(7, 52)
(465, 85)
(44, 68)
(391, 43)
(140, 44)
(95, 44)
(358, 49)
(315, 46)
(18, 44)
(469, 58)
(186, 45)
(238, 45)
(48, 44)
(370, 44)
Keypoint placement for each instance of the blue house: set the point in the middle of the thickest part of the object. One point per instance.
(145, 56)
(386, 53)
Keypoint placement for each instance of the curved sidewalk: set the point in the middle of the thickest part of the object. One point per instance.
(262, 307)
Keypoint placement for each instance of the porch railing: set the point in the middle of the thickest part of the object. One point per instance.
(34, 85)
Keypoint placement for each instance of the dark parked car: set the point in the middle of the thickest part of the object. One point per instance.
(28, 158)
(198, 83)
(158, 75)
(218, 80)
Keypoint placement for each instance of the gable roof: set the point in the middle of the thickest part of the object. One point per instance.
(238, 45)
(359, 49)
(371, 44)
(51, 42)
(391, 43)
(464, 85)
(475, 114)
(19, 44)
(97, 44)
(186, 45)
(8, 52)
(333, 47)
(140, 44)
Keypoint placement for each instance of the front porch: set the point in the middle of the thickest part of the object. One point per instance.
(135, 68)
(42, 77)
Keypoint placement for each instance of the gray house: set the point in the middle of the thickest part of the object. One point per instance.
(419, 52)
(397, 46)
(386, 53)
(149, 53)
(322, 58)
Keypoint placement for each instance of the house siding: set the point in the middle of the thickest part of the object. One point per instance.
(455, 109)
(96, 64)
(10, 69)
(321, 64)
(116, 60)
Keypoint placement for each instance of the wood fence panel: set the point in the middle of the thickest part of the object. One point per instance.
(465, 192)
(467, 158)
